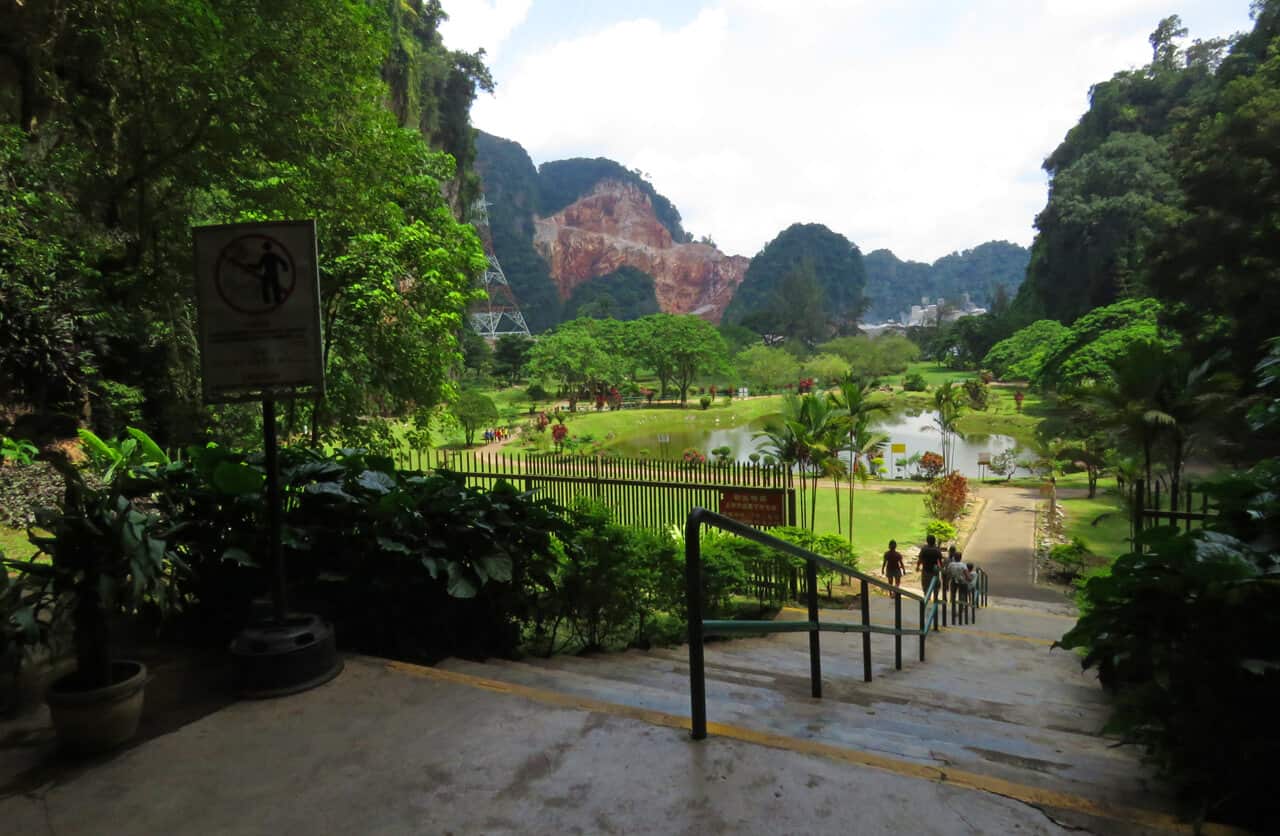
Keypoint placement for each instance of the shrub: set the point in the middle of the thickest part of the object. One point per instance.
(1070, 557)
(931, 465)
(914, 382)
(977, 393)
(612, 580)
(704, 401)
(536, 392)
(945, 497)
(1182, 634)
(942, 531)
(16, 451)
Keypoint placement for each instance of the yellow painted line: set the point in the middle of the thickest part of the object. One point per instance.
(1036, 613)
(896, 766)
(969, 631)
(1013, 637)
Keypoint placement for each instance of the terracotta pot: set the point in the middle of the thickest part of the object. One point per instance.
(98, 719)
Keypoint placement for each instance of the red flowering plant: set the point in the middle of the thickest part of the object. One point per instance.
(558, 434)
(692, 456)
(946, 497)
(931, 465)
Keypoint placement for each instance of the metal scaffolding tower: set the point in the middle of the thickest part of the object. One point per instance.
(498, 315)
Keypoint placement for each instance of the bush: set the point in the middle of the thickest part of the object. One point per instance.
(942, 531)
(977, 393)
(612, 580)
(945, 497)
(1182, 635)
(914, 382)
(704, 401)
(407, 565)
(536, 393)
(931, 465)
(1070, 557)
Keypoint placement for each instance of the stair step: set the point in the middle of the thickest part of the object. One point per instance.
(914, 731)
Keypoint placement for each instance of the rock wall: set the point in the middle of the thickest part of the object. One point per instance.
(614, 226)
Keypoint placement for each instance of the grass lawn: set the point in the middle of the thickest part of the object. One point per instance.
(934, 374)
(1110, 537)
(878, 517)
(14, 544)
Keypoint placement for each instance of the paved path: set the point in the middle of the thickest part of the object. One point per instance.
(1004, 544)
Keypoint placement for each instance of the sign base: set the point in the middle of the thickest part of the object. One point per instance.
(276, 658)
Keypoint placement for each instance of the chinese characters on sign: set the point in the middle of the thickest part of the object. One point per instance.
(258, 292)
(754, 508)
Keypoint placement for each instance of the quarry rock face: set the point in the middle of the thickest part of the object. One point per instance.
(615, 226)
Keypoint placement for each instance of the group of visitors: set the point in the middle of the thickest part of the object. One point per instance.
(950, 569)
(498, 434)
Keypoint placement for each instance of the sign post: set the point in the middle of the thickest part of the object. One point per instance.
(258, 295)
(894, 449)
(984, 461)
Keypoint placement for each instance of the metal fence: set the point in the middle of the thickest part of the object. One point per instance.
(643, 493)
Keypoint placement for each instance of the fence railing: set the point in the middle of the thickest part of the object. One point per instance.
(1155, 505)
(929, 604)
(641, 493)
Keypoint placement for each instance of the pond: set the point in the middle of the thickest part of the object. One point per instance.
(916, 431)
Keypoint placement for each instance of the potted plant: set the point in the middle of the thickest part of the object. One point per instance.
(109, 553)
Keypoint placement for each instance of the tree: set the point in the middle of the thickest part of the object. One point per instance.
(134, 141)
(852, 400)
(948, 403)
(825, 368)
(573, 358)
(510, 353)
(685, 346)
(473, 410)
(1216, 264)
(1021, 356)
(767, 368)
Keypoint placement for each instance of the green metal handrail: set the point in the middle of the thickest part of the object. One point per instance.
(698, 628)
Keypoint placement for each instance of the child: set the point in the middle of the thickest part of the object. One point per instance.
(892, 565)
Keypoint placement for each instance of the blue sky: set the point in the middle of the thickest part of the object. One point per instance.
(912, 125)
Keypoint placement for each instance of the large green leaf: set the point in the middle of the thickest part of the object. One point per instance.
(238, 478)
(376, 481)
(150, 450)
(460, 585)
(497, 568)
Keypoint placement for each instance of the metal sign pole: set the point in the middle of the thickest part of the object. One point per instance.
(271, 449)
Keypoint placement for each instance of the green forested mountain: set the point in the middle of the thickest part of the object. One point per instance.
(894, 285)
(1113, 187)
(624, 294)
(1167, 187)
(807, 283)
(124, 125)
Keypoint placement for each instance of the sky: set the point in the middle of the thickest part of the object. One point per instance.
(913, 125)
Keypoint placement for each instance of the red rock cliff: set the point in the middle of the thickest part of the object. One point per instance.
(615, 226)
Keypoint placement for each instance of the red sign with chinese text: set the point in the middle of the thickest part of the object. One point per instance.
(754, 508)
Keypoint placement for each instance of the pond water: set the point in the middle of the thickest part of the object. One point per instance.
(916, 431)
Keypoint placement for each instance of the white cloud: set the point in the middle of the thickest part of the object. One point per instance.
(482, 24)
(912, 126)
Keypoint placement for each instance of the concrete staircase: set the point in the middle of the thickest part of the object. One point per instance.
(992, 700)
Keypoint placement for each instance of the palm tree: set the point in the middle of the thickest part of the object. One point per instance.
(948, 403)
(852, 400)
(785, 442)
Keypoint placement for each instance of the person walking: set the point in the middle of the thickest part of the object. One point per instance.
(930, 558)
(892, 566)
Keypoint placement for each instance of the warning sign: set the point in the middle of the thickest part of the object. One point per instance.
(898, 448)
(258, 292)
(754, 507)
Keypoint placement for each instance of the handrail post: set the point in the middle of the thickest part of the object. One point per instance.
(866, 633)
(940, 593)
(693, 586)
(923, 626)
(815, 660)
(897, 631)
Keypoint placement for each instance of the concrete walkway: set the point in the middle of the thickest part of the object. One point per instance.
(995, 733)
(1004, 544)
